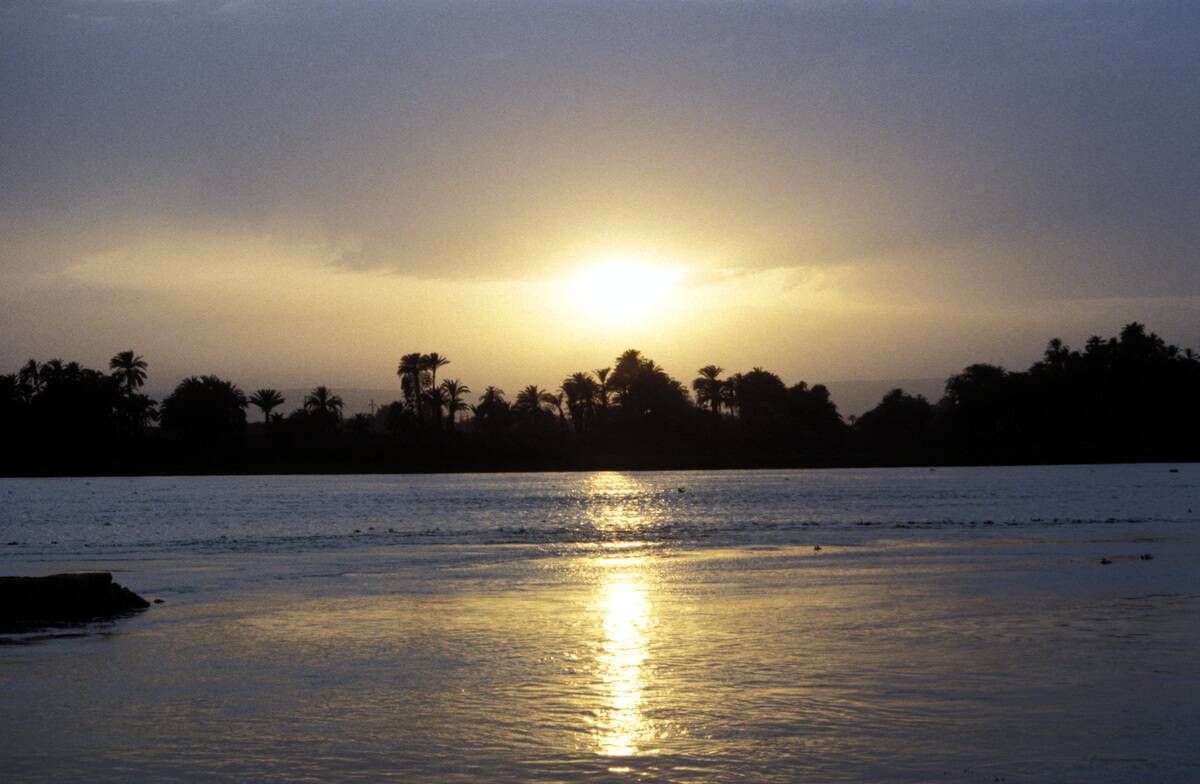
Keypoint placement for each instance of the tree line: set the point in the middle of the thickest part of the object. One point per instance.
(1130, 397)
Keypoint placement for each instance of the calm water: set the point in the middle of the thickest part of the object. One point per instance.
(955, 625)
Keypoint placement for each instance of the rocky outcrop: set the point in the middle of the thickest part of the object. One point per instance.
(63, 598)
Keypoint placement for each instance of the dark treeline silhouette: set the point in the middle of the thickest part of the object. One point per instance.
(1128, 398)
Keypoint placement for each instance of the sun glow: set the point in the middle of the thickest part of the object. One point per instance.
(622, 290)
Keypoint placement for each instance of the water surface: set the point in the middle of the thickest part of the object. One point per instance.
(954, 625)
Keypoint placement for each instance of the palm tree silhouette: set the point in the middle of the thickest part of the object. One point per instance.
(708, 387)
(729, 392)
(31, 377)
(492, 396)
(141, 411)
(267, 400)
(129, 370)
(204, 407)
(431, 362)
(437, 399)
(581, 391)
(491, 412)
(410, 370)
(454, 402)
(627, 367)
(323, 402)
(529, 402)
(52, 367)
(604, 393)
(555, 399)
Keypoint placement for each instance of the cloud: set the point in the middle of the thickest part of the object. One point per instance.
(895, 154)
(455, 142)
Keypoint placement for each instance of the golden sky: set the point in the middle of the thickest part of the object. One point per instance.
(294, 194)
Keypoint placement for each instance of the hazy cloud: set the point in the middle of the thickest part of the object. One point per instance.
(912, 150)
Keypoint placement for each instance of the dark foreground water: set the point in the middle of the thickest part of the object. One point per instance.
(956, 625)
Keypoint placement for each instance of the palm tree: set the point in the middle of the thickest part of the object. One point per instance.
(267, 400)
(627, 367)
(492, 396)
(454, 402)
(323, 402)
(437, 399)
(555, 399)
(431, 362)
(604, 394)
(31, 378)
(529, 402)
(410, 370)
(581, 391)
(141, 411)
(204, 407)
(729, 392)
(708, 387)
(129, 370)
(491, 412)
(51, 367)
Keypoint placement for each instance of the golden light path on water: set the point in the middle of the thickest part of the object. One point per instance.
(626, 618)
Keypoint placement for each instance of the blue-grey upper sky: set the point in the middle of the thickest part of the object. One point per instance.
(933, 173)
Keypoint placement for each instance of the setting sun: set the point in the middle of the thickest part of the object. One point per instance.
(622, 290)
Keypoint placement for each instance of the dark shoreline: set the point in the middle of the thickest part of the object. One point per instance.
(1128, 399)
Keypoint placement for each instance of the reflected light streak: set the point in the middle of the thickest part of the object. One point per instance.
(621, 660)
(612, 502)
(616, 504)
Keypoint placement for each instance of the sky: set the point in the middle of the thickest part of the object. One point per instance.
(291, 194)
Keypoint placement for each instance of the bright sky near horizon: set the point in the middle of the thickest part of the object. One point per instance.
(290, 194)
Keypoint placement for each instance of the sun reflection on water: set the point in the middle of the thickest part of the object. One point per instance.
(618, 503)
(624, 651)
